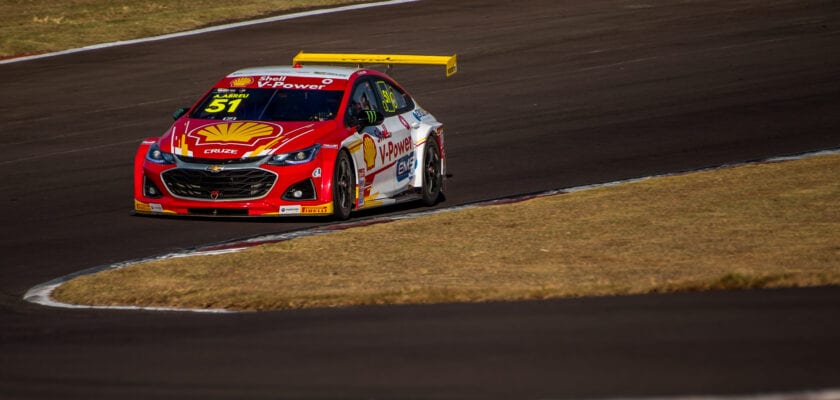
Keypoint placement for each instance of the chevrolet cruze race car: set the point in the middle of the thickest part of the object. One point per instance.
(299, 140)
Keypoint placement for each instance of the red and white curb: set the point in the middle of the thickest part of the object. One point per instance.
(41, 294)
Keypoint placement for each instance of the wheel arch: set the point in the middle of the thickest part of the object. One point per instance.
(428, 131)
(328, 165)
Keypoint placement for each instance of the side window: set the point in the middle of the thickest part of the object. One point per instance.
(363, 98)
(393, 100)
(378, 94)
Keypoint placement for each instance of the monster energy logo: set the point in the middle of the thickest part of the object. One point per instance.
(371, 116)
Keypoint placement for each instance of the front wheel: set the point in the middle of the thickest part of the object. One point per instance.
(343, 187)
(432, 177)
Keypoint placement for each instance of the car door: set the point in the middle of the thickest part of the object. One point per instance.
(388, 147)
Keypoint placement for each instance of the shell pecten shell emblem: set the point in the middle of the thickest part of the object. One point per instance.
(241, 82)
(235, 132)
(369, 151)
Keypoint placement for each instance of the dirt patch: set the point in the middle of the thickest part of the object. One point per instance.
(754, 226)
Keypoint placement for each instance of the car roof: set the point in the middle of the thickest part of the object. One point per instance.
(300, 71)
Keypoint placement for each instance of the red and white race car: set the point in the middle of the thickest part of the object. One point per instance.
(300, 140)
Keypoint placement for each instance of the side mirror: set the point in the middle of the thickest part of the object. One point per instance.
(367, 118)
(179, 113)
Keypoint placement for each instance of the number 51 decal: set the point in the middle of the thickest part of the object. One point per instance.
(219, 105)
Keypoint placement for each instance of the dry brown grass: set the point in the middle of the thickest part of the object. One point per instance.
(765, 225)
(37, 26)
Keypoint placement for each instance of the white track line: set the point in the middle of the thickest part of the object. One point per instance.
(825, 394)
(208, 29)
(41, 294)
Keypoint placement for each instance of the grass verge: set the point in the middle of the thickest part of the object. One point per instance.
(36, 26)
(753, 226)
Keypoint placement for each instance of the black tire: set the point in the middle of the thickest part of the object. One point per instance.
(432, 177)
(343, 187)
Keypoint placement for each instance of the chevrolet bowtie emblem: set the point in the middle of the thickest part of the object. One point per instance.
(215, 168)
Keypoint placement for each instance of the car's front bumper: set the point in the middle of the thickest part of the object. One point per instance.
(232, 190)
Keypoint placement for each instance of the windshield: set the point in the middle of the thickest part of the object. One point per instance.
(268, 105)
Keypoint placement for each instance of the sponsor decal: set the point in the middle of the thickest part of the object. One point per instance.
(327, 73)
(404, 123)
(419, 113)
(384, 132)
(141, 206)
(235, 132)
(241, 82)
(232, 152)
(374, 131)
(360, 200)
(285, 210)
(225, 102)
(316, 173)
(392, 150)
(325, 209)
(439, 133)
(370, 115)
(404, 167)
(264, 81)
(154, 207)
(228, 94)
(280, 82)
(370, 152)
(239, 139)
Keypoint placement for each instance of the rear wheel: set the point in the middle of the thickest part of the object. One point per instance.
(432, 177)
(343, 187)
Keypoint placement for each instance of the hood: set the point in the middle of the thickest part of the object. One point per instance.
(209, 139)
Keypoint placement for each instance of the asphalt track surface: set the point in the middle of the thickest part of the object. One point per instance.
(550, 94)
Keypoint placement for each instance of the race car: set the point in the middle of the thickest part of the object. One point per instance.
(297, 141)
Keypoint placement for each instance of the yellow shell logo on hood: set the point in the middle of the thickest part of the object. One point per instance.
(238, 132)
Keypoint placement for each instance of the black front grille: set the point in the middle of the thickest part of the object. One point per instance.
(235, 184)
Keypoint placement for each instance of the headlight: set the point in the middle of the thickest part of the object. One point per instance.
(158, 156)
(296, 157)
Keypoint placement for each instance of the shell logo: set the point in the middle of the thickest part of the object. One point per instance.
(237, 132)
(370, 152)
(242, 82)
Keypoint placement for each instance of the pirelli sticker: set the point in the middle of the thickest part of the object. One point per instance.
(306, 210)
(315, 210)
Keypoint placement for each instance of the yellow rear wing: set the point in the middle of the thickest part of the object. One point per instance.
(388, 59)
